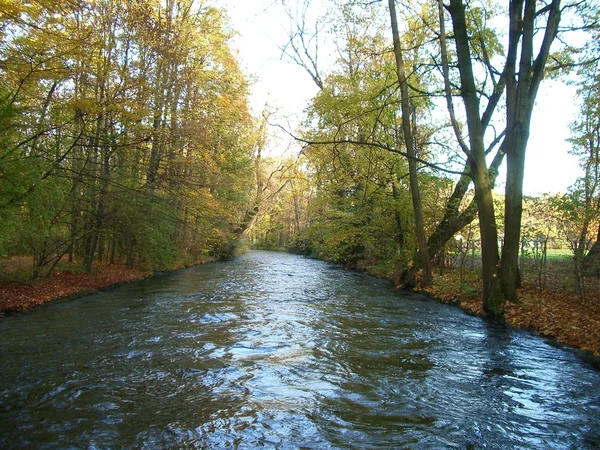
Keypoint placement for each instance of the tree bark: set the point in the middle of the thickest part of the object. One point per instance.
(521, 93)
(423, 253)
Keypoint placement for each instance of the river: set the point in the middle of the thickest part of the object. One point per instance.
(273, 350)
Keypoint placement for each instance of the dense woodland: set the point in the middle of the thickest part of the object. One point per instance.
(125, 133)
(126, 138)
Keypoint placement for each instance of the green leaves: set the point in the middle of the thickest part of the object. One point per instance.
(125, 132)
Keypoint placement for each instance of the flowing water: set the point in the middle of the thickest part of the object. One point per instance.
(279, 351)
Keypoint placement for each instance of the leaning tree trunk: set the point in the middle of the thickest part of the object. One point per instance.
(454, 219)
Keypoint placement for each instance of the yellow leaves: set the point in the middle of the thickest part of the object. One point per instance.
(10, 9)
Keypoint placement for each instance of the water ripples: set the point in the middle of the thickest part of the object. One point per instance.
(279, 351)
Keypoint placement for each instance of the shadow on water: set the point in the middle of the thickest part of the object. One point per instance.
(279, 351)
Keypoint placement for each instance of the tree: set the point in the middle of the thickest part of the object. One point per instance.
(407, 132)
(521, 75)
(127, 133)
(522, 85)
(584, 195)
(367, 124)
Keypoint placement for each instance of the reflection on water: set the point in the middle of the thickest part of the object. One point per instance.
(278, 351)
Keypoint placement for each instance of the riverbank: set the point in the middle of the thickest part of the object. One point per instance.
(565, 317)
(556, 314)
(16, 296)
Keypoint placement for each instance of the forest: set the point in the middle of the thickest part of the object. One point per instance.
(128, 147)
(126, 134)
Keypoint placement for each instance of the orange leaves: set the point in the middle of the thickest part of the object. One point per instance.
(21, 297)
(552, 313)
(565, 317)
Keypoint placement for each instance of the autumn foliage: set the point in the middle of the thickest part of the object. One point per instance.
(565, 317)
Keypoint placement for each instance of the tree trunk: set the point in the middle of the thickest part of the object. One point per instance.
(400, 237)
(97, 221)
(492, 296)
(591, 262)
(521, 93)
(423, 253)
(156, 148)
(297, 212)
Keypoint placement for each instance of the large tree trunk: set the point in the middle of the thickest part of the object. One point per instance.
(513, 213)
(423, 256)
(521, 93)
(492, 296)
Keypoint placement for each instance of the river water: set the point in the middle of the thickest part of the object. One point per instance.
(279, 351)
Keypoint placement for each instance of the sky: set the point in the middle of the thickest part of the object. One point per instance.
(287, 88)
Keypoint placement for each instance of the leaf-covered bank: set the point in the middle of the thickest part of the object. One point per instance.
(570, 319)
(19, 296)
(556, 314)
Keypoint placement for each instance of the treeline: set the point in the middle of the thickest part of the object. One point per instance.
(405, 139)
(124, 133)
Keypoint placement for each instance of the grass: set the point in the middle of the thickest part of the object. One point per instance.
(559, 253)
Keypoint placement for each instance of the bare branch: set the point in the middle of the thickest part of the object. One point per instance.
(372, 144)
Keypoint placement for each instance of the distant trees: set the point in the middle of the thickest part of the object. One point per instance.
(580, 207)
(126, 134)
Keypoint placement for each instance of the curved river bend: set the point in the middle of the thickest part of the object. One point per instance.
(278, 351)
